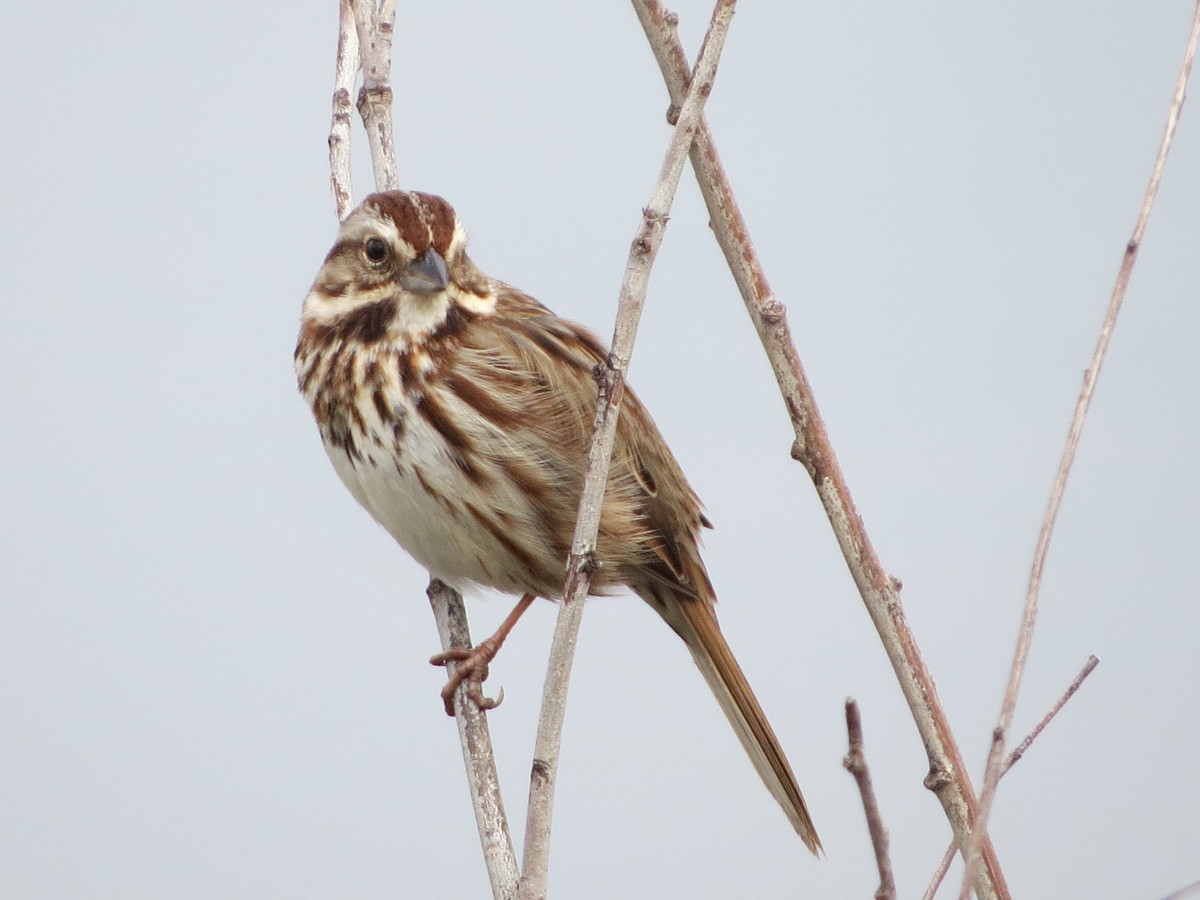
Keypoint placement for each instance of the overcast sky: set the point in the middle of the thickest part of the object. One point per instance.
(213, 676)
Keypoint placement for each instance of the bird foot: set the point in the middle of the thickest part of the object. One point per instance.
(472, 667)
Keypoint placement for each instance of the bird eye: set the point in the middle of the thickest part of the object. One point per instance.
(375, 249)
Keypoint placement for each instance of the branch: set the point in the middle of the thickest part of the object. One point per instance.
(1012, 759)
(478, 756)
(1185, 891)
(611, 377)
(948, 777)
(1029, 616)
(339, 132)
(375, 23)
(856, 764)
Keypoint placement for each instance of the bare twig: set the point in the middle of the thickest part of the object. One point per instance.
(948, 776)
(856, 764)
(478, 757)
(1012, 759)
(1015, 757)
(1029, 615)
(611, 377)
(375, 22)
(339, 132)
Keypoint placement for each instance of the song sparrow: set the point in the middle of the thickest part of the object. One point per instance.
(458, 411)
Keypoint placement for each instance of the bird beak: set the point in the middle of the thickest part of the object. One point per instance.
(424, 275)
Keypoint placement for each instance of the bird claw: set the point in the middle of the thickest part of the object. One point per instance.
(472, 668)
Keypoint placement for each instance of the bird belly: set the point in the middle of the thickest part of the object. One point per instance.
(418, 490)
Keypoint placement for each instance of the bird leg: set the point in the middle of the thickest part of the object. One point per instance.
(472, 663)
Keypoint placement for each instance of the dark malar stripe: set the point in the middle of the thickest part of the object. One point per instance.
(367, 324)
(456, 321)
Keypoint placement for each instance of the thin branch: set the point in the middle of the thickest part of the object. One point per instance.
(948, 776)
(1012, 759)
(367, 28)
(940, 874)
(856, 764)
(1029, 615)
(375, 23)
(482, 780)
(339, 132)
(611, 377)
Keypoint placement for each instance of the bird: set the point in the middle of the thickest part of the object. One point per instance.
(458, 411)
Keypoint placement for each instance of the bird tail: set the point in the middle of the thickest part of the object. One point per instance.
(696, 622)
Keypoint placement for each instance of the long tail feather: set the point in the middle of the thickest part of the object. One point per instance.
(696, 622)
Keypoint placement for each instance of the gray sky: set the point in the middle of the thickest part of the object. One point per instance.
(212, 663)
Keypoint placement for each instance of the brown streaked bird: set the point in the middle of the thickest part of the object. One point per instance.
(458, 411)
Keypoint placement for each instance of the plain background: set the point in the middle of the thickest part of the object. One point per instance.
(213, 676)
